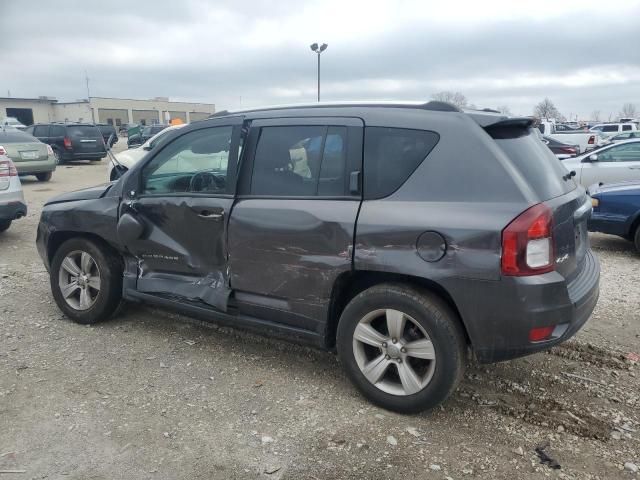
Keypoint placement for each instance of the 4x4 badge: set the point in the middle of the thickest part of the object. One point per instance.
(562, 258)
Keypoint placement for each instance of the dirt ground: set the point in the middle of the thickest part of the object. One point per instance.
(154, 395)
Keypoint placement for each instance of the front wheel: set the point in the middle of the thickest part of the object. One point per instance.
(403, 348)
(86, 280)
(636, 239)
(4, 225)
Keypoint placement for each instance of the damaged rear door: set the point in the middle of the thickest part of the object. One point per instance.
(175, 221)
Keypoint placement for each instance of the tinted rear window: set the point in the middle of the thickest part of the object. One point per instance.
(537, 164)
(87, 131)
(15, 136)
(610, 128)
(391, 155)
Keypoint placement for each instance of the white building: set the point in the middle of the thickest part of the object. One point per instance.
(115, 111)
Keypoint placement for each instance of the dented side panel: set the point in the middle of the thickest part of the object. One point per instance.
(285, 255)
(183, 250)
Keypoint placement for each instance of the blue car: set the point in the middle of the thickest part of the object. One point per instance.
(616, 210)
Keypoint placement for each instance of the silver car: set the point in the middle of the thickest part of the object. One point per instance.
(12, 204)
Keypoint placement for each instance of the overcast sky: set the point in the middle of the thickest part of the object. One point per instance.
(584, 55)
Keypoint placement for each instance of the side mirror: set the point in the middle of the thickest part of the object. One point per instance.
(148, 147)
(591, 158)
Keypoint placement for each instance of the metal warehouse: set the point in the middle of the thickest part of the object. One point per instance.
(114, 111)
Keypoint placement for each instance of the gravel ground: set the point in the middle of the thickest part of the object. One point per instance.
(154, 395)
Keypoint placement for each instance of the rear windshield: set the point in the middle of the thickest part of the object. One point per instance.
(86, 131)
(537, 164)
(15, 136)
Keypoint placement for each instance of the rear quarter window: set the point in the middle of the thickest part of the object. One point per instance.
(391, 155)
(536, 163)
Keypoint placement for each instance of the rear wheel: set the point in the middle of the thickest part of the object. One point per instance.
(636, 239)
(86, 280)
(4, 225)
(403, 348)
(57, 156)
(44, 177)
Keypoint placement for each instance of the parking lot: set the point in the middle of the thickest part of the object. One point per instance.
(151, 394)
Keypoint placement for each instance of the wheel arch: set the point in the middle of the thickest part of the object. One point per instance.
(56, 239)
(349, 284)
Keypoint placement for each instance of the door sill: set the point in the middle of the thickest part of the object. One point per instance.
(245, 322)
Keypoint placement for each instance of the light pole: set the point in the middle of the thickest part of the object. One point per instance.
(318, 49)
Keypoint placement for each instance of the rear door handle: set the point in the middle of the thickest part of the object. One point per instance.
(211, 215)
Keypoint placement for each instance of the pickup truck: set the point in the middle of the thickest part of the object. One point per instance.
(584, 140)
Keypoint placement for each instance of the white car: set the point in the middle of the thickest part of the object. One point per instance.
(130, 157)
(13, 123)
(618, 162)
(12, 205)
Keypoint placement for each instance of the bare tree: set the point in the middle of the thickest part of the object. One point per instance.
(505, 110)
(547, 110)
(595, 115)
(455, 98)
(628, 111)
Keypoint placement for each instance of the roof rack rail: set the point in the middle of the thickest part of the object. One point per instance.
(438, 106)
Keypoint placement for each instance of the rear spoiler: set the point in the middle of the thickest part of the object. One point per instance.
(509, 127)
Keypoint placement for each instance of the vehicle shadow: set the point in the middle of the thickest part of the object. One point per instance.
(611, 243)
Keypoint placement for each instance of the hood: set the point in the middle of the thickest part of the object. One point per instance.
(85, 194)
(130, 157)
(620, 187)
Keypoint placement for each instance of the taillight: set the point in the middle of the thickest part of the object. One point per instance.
(527, 243)
(49, 150)
(540, 334)
(568, 150)
(2, 150)
(7, 169)
(67, 143)
(592, 140)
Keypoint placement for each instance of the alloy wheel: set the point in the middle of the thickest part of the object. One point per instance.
(394, 352)
(79, 280)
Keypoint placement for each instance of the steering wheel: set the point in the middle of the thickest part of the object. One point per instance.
(204, 181)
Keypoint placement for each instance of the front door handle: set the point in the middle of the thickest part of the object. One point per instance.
(211, 215)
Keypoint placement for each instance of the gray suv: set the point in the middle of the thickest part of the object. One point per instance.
(406, 237)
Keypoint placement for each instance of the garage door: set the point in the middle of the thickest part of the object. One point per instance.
(145, 117)
(181, 115)
(113, 116)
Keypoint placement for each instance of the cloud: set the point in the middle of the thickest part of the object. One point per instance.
(496, 52)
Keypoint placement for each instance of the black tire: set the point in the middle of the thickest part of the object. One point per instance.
(4, 225)
(636, 239)
(109, 264)
(58, 156)
(434, 316)
(44, 177)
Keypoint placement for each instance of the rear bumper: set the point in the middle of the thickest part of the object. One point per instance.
(501, 314)
(70, 155)
(40, 166)
(12, 210)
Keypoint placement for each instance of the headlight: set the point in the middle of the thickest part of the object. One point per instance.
(595, 202)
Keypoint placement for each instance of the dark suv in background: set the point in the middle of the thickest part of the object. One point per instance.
(71, 141)
(145, 133)
(109, 133)
(403, 236)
